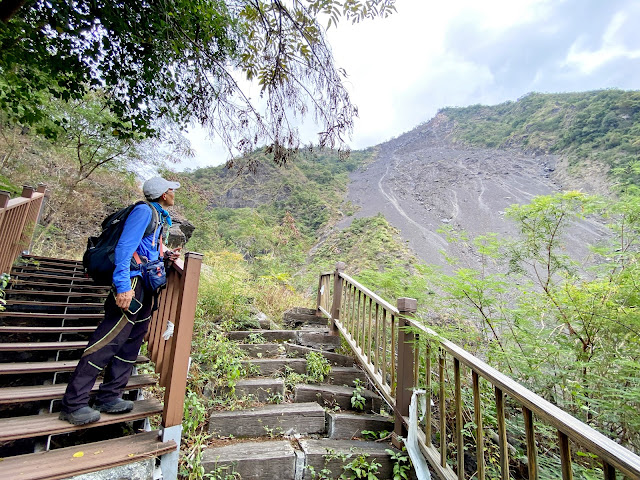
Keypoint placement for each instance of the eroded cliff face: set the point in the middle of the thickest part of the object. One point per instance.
(422, 181)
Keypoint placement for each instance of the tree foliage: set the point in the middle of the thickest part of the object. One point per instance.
(183, 61)
(567, 328)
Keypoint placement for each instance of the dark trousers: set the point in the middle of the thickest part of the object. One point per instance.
(113, 347)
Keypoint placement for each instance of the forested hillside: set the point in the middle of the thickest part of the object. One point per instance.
(566, 327)
(601, 126)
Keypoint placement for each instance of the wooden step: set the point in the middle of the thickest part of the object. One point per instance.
(31, 426)
(35, 346)
(19, 329)
(331, 455)
(299, 316)
(53, 304)
(286, 418)
(30, 276)
(271, 366)
(261, 389)
(62, 267)
(335, 395)
(72, 272)
(75, 287)
(40, 258)
(345, 376)
(50, 316)
(67, 462)
(48, 367)
(44, 293)
(342, 425)
(274, 459)
(51, 392)
(261, 350)
(333, 358)
(268, 335)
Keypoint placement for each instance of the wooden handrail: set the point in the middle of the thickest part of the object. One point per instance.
(171, 356)
(18, 218)
(387, 342)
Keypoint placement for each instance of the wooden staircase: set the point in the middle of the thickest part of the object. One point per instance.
(51, 310)
(295, 433)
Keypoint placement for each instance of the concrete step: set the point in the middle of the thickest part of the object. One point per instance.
(269, 420)
(345, 426)
(276, 366)
(275, 459)
(332, 395)
(260, 389)
(335, 455)
(333, 358)
(297, 317)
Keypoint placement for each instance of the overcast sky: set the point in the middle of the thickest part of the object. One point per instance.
(434, 54)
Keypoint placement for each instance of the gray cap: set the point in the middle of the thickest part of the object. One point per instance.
(156, 186)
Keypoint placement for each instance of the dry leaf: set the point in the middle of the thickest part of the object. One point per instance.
(78, 454)
(131, 455)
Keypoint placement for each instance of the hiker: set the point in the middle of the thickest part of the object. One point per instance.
(115, 344)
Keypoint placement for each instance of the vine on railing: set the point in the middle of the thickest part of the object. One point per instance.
(470, 406)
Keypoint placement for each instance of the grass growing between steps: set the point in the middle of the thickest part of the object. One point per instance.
(229, 298)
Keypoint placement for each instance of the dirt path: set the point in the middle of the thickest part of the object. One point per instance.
(420, 182)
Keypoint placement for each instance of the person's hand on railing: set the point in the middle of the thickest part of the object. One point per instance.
(171, 256)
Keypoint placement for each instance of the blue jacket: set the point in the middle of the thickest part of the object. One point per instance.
(131, 241)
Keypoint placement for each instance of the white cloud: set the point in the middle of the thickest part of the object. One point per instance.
(611, 48)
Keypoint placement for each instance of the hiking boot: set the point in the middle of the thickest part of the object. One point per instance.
(115, 406)
(81, 416)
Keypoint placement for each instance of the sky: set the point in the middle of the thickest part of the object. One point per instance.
(434, 54)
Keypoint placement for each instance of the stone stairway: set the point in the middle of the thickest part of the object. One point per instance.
(312, 430)
(51, 309)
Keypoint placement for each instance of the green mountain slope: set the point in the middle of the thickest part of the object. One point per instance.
(598, 126)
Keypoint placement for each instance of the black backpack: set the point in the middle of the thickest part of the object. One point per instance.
(99, 257)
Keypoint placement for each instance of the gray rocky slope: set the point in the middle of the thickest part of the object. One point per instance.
(421, 181)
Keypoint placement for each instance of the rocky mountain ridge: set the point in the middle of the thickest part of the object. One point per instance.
(422, 180)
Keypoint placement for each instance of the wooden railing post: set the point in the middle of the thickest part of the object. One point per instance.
(406, 375)
(181, 342)
(337, 297)
(4, 198)
(27, 191)
(5, 256)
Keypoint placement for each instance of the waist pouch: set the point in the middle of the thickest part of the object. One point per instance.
(154, 275)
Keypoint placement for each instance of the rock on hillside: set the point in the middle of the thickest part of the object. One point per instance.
(421, 181)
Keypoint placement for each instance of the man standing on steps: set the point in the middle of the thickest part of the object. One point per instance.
(114, 345)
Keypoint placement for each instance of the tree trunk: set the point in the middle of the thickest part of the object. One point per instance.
(8, 8)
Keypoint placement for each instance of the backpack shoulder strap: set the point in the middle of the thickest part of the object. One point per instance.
(154, 222)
